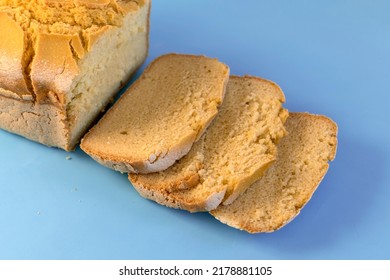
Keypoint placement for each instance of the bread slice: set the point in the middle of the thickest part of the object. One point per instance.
(63, 61)
(279, 196)
(160, 116)
(232, 154)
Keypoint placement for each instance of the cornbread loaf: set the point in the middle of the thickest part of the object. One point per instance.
(302, 162)
(160, 116)
(61, 63)
(233, 153)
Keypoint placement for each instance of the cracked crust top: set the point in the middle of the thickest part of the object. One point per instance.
(160, 116)
(42, 42)
(62, 62)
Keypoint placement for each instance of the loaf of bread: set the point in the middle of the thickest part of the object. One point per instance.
(160, 116)
(62, 62)
(233, 153)
(279, 196)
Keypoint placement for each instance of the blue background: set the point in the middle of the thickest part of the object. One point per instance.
(329, 57)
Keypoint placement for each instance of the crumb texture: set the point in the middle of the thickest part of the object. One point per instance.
(160, 117)
(73, 55)
(302, 161)
(232, 154)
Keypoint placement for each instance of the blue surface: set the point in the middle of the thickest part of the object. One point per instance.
(329, 57)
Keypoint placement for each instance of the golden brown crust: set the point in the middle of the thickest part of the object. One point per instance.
(11, 49)
(54, 38)
(53, 67)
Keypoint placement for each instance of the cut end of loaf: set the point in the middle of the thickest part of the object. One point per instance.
(302, 162)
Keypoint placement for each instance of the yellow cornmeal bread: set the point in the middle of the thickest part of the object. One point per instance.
(61, 63)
